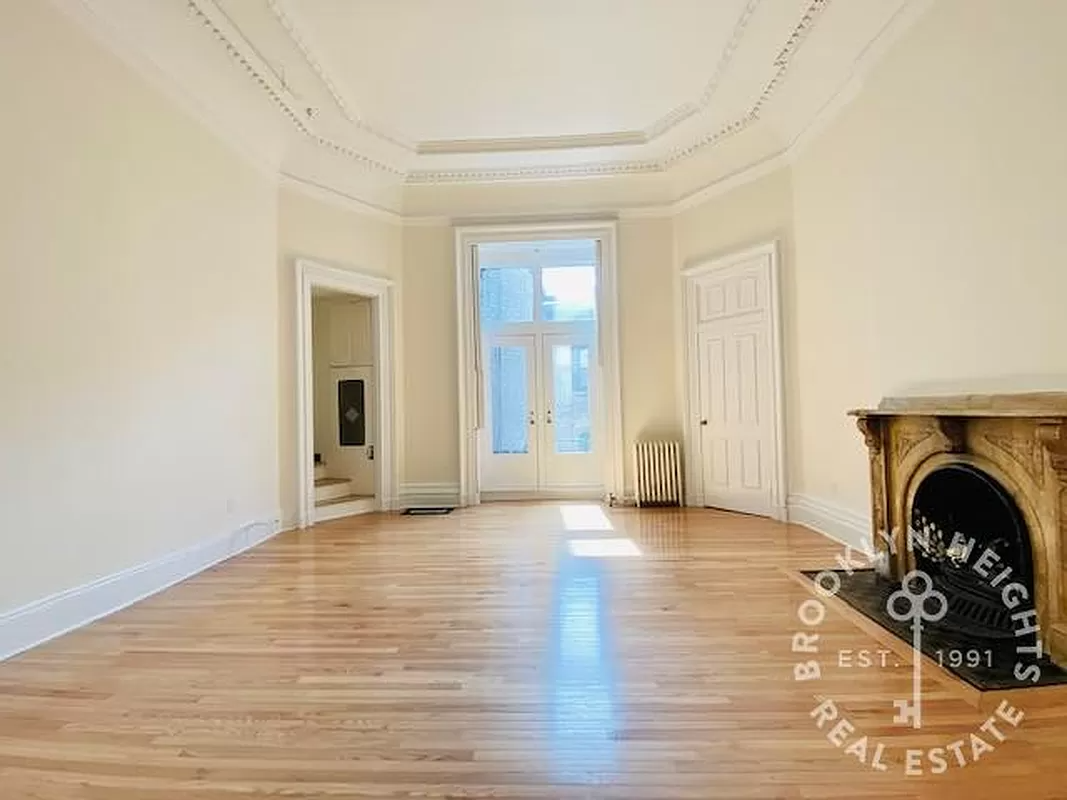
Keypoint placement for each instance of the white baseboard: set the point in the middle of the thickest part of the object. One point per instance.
(45, 619)
(423, 495)
(833, 521)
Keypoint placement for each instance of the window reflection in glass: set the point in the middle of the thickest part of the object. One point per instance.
(571, 401)
(568, 293)
(509, 398)
(506, 295)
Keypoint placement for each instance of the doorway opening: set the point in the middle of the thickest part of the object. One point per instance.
(345, 393)
(344, 413)
(539, 364)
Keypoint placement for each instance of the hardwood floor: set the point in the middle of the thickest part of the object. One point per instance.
(475, 656)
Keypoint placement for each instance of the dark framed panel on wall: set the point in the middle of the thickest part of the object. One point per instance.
(352, 418)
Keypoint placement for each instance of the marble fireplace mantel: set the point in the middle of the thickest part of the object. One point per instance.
(1020, 440)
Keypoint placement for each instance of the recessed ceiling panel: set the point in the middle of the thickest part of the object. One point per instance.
(500, 69)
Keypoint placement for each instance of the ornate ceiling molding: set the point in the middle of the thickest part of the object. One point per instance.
(781, 63)
(286, 17)
(245, 55)
(548, 172)
(217, 24)
(594, 169)
(683, 112)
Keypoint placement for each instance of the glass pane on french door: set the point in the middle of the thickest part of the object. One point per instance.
(569, 460)
(509, 441)
(509, 393)
(571, 408)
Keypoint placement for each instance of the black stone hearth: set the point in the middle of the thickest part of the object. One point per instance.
(868, 593)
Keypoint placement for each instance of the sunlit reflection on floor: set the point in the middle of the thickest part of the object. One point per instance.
(585, 518)
(583, 683)
(611, 547)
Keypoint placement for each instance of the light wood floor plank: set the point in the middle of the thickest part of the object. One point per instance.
(474, 656)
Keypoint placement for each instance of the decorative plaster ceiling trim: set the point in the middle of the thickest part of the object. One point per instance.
(873, 52)
(216, 24)
(549, 172)
(488, 175)
(285, 16)
(781, 63)
(686, 110)
(283, 12)
(527, 143)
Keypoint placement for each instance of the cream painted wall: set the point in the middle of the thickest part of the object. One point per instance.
(310, 228)
(929, 229)
(646, 335)
(137, 320)
(430, 381)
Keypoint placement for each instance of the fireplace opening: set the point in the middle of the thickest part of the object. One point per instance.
(959, 512)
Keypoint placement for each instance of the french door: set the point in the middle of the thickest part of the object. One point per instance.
(540, 435)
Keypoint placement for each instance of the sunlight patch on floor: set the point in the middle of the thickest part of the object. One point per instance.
(586, 517)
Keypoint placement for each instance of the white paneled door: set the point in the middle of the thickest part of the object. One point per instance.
(733, 385)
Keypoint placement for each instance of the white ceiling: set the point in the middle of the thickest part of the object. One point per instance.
(492, 69)
(373, 97)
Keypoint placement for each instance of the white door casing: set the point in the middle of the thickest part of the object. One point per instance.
(309, 276)
(735, 428)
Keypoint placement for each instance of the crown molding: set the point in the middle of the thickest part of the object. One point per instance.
(531, 143)
(872, 54)
(134, 55)
(246, 57)
(782, 63)
(335, 197)
(537, 173)
(680, 114)
(899, 24)
(287, 16)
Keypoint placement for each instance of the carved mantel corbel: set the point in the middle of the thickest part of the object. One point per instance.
(871, 428)
(1052, 434)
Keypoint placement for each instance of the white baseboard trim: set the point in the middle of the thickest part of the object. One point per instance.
(48, 618)
(424, 495)
(833, 521)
